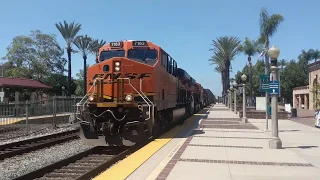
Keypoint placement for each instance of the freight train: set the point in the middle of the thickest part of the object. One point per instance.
(135, 91)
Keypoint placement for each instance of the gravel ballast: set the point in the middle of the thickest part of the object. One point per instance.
(43, 132)
(16, 166)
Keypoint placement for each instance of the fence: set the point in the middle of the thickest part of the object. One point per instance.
(24, 118)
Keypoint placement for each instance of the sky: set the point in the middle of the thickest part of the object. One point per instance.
(184, 29)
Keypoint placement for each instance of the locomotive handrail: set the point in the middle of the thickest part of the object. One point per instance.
(146, 101)
(144, 93)
(80, 103)
(147, 98)
(141, 94)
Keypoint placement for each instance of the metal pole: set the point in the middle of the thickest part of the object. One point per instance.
(230, 95)
(27, 116)
(53, 111)
(267, 94)
(244, 117)
(250, 79)
(235, 101)
(276, 142)
(229, 100)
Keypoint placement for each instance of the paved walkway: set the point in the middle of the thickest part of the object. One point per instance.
(221, 147)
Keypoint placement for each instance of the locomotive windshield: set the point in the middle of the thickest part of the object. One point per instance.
(148, 56)
(110, 54)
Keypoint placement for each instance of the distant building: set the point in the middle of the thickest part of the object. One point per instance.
(22, 83)
(304, 96)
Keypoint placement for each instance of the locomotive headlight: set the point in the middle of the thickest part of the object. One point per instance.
(90, 98)
(129, 98)
(117, 68)
(117, 63)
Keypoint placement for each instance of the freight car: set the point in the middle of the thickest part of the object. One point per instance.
(135, 91)
(209, 97)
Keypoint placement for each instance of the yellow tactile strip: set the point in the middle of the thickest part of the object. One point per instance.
(124, 168)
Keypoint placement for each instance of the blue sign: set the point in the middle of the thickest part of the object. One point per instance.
(264, 83)
(274, 87)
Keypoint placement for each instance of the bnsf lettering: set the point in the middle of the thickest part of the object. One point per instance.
(116, 76)
(127, 75)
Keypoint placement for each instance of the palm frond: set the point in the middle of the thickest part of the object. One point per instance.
(96, 45)
(68, 31)
(251, 47)
(268, 25)
(274, 23)
(226, 47)
(83, 43)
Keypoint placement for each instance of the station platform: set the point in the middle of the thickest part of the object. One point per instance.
(215, 144)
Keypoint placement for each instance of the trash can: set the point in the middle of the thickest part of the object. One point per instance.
(269, 110)
(293, 112)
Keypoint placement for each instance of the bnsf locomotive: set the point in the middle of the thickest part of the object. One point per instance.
(135, 91)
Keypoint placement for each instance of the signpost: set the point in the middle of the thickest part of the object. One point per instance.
(1, 96)
(274, 87)
(264, 83)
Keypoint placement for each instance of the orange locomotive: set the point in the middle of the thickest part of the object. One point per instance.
(135, 91)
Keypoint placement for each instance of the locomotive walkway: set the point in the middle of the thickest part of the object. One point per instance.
(216, 145)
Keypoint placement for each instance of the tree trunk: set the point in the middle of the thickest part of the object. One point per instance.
(227, 74)
(222, 82)
(224, 90)
(69, 70)
(84, 75)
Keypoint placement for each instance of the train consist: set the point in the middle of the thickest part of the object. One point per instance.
(135, 91)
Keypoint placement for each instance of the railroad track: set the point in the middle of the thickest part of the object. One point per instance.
(28, 145)
(87, 164)
(82, 166)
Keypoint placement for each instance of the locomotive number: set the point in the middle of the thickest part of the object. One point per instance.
(115, 44)
(139, 43)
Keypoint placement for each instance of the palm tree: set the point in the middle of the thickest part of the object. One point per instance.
(84, 44)
(268, 26)
(68, 32)
(250, 48)
(226, 48)
(315, 55)
(219, 68)
(96, 45)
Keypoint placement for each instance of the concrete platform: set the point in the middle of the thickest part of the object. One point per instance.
(219, 146)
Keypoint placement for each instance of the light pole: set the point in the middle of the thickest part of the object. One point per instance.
(63, 96)
(235, 96)
(244, 114)
(231, 98)
(275, 143)
(227, 98)
(250, 81)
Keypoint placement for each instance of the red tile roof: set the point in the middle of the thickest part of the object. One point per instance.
(22, 82)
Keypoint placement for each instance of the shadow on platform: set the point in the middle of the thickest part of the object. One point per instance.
(293, 130)
(301, 147)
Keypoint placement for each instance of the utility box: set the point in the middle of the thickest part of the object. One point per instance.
(269, 110)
